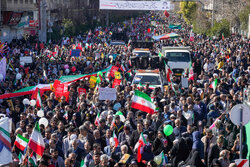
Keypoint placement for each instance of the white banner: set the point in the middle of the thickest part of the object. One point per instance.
(107, 94)
(26, 59)
(135, 5)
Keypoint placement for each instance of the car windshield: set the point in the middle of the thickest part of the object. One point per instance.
(144, 79)
(178, 56)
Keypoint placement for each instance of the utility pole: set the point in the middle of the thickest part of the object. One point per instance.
(213, 12)
(42, 21)
(107, 18)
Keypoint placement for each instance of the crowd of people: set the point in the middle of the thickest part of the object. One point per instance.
(75, 139)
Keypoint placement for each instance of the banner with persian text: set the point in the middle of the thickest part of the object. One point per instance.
(135, 5)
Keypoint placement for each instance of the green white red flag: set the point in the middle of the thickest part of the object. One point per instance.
(21, 142)
(214, 84)
(141, 101)
(36, 142)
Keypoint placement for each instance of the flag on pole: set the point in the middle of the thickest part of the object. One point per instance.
(38, 99)
(36, 142)
(82, 163)
(166, 14)
(5, 142)
(141, 101)
(214, 84)
(115, 139)
(163, 162)
(97, 120)
(139, 146)
(191, 72)
(222, 36)
(32, 159)
(123, 68)
(169, 74)
(21, 142)
(20, 157)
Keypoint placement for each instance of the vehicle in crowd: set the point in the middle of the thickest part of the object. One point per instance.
(178, 59)
(152, 77)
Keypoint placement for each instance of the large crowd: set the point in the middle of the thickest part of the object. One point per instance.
(76, 138)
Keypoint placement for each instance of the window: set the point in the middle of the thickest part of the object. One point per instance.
(21, 1)
(16, 1)
(26, 1)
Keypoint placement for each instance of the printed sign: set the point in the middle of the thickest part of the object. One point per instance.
(116, 82)
(92, 81)
(135, 5)
(26, 59)
(75, 52)
(107, 94)
(81, 91)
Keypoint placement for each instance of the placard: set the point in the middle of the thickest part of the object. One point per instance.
(113, 70)
(75, 52)
(107, 94)
(92, 81)
(118, 75)
(26, 59)
(116, 82)
(184, 82)
(81, 91)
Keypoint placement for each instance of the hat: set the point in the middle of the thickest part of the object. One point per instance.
(133, 162)
(172, 116)
(163, 100)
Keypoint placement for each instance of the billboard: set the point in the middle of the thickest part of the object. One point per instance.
(134, 5)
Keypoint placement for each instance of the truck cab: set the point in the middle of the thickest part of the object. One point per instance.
(179, 59)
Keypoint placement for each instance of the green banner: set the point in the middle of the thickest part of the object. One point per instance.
(172, 26)
(72, 78)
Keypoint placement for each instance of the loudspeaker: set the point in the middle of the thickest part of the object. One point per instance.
(144, 62)
(135, 62)
(154, 62)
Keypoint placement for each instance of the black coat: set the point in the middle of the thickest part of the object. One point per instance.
(214, 153)
(134, 138)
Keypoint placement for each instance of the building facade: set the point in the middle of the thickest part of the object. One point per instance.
(18, 17)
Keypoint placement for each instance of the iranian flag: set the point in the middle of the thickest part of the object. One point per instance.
(139, 146)
(123, 68)
(214, 84)
(38, 99)
(141, 101)
(163, 160)
(97, 120)
(21, 142)
(36, 142)
(129, 72)
(222, 36)
(32, 159)
(26, 91)
(82, 163)
(169, 74)
(115, 139)
(191, 73)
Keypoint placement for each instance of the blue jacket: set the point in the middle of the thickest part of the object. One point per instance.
(197, 144)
